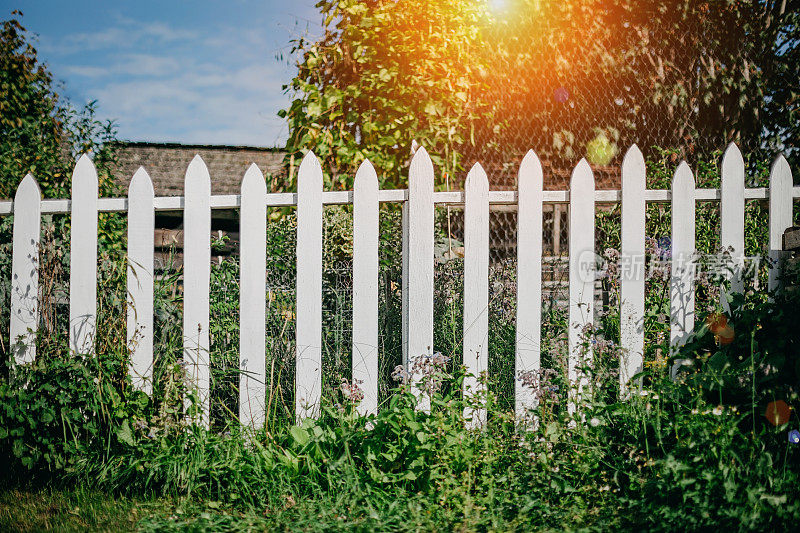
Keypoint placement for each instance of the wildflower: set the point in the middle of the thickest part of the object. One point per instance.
(665, 248)
(794, 436)
(430, 369)
(400, 374)
(717, 410)
(541, 384)
(352, 391)
(594, 422)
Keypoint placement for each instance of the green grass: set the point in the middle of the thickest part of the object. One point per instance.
(75, 509)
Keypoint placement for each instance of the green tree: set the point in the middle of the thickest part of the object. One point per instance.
(40, 132)
(383, 74)
(471, 81)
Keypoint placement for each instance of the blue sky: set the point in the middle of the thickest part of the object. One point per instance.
(184, 71)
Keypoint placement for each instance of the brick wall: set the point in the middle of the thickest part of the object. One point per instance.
(166, 163)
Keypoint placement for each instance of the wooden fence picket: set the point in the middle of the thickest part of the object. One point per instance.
(25, 270)
(308, 381)
(780, 215)
(83, 257)
(732, 214)
(420, 221)
(581, 273)
(141, 231)
(683, 260)
(632, 267)
(529, 278)
(196, 276)
(366, 238)
(252, 299)
(476, 287)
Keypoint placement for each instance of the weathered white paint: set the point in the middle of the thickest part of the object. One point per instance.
(25, 271)
(420, 262)
(253, 299)
(141, 231)
(732, 214)
(581, 274)
(780, 215)
(683, 249)
(529, 278)
(476, 288)
(83, 257)
(196, 274)
(308, 380)
(632, 267)
(366, 237)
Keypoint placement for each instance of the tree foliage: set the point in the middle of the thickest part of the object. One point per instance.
(569, 79)
(40, 132)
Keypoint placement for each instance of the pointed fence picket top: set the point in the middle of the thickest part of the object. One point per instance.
(252, 299)
(732, 214)
(308, 381)
(83, 257)
(631, 266)
(780, 216)
(581, 271)
(25, 271)
(420, 220)
(141, 231)
(476, 286)
(366, 237)
(529, 279)
(196, 280)
(683, 249)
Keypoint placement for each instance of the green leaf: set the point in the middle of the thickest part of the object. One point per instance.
(299, 434)
(125, 434)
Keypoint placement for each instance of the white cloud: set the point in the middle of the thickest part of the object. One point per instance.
(199, 103)
(128, 34)
(130, 64)
(164, 83)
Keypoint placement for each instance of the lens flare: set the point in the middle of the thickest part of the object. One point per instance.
(498, 5)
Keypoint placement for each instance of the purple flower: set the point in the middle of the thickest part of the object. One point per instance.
(794, 436)
(665, 247)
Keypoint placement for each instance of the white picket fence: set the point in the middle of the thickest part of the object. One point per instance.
(418, 201)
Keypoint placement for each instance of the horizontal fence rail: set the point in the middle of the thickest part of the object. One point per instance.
(419, 201)
(280, 199)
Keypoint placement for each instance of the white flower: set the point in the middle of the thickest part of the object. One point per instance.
(594, 422)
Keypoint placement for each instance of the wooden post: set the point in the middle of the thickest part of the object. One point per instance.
(529, 278)
(308, 381)
(366, 235)
(25, 271)
(83, 257)
(632, 267)
(253, 299)
(141, 232)
(196, 280)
